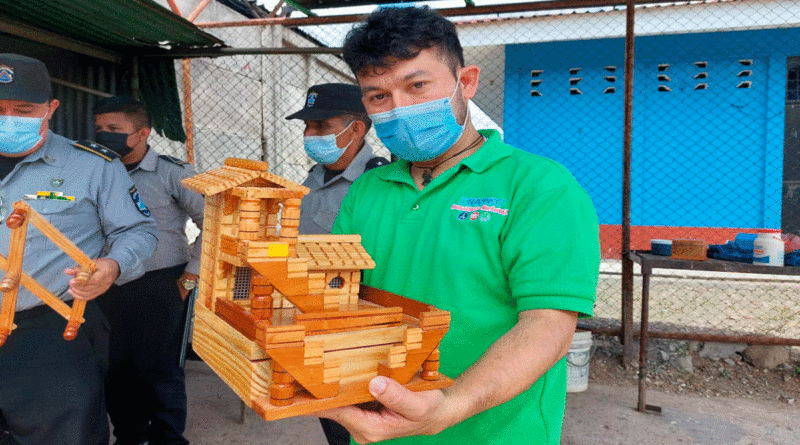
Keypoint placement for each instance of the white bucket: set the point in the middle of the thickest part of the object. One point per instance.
(578, 361)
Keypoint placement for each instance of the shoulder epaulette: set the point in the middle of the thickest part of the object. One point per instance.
(97, 149)
(173, 160)
(377, 161)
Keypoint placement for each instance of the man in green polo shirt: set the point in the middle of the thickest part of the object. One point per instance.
(505, 240)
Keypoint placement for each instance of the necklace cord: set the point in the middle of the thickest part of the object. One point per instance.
(427, 174)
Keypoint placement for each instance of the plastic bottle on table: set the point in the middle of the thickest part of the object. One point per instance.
(768, 248)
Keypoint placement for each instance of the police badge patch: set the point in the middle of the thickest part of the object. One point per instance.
(6, 74)
(311, 99)
(138, 202)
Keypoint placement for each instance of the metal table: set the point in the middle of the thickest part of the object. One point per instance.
(648, 262)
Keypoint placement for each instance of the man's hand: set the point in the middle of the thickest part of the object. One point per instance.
(404, 413)
(99, 282)
(186, 276)
(499, 375)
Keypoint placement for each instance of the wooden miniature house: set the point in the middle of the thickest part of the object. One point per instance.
(282, 318)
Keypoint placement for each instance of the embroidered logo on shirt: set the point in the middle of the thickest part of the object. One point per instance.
(138, 202)
(56, 182)
(479, 208)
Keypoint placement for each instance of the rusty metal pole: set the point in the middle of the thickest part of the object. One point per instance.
(188, 118)
(193, 15)
(627, 263)
(174, 7)
(643, 341)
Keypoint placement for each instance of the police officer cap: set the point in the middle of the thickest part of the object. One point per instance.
(330, 99)
(24, 78)
(115, 104)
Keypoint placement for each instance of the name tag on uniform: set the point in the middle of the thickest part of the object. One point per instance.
(52, 196)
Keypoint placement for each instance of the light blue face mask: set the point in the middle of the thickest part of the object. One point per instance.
(420, 132)
(323, 149)
(19, 134)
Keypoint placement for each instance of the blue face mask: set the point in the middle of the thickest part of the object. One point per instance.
(419, 132)
(323, 149)
(19, 134)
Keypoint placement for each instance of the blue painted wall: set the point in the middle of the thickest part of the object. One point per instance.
(701, 157)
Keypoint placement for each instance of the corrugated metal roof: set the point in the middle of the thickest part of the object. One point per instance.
(123, 26)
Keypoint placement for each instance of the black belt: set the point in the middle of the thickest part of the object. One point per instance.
(36, 311)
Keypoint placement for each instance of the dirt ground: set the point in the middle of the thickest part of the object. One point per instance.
(719, 403)
(732, 377)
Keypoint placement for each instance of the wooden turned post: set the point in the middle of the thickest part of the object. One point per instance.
(249, 217)
(430, 367)
(18, 223)
(281, 392)
(261, 301)
(290, 223)
(271, 229)
(261, 307)
(75, 319)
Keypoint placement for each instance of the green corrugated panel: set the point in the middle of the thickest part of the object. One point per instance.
(159, 91)
(118, 24)
(300, 8)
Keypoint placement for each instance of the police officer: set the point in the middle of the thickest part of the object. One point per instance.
(51, 390)
(335, 125)
(145, 390)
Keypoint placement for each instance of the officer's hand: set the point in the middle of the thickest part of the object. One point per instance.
(186, 276)
(404, 413)
(99, 282)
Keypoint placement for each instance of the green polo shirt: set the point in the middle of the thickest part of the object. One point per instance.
(503, 231)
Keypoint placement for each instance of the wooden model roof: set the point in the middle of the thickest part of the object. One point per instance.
(333, 252)
(238, 172)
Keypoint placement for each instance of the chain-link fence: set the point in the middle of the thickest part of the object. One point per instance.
(715, 129)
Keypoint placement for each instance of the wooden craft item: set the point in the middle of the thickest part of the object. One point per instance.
(281, 318)
(18, 221)
(689, 249)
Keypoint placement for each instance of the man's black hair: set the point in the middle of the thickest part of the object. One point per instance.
(127, 105)
(390, 34)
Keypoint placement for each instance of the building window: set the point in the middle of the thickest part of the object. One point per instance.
(336, 282)
(241, 283)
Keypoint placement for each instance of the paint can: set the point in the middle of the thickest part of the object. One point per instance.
(768, 248)
(661, 247)
(578, 361)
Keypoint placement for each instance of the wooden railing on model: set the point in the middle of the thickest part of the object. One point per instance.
(18, 221)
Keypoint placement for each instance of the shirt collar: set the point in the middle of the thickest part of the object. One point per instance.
(149, 161)
(359, 163)
(491, 152)
(351, 173)
(48, 152)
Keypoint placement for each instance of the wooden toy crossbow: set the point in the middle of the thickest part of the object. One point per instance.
(18, 221)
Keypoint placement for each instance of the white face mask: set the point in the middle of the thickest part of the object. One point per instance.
(19, 134)
(323, 149)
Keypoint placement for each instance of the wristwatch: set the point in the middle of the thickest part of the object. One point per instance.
(188, 284)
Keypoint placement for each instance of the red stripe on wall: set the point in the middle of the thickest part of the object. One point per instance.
(611, 236)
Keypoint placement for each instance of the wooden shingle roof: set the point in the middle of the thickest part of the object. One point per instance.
(236, 172)
(333, 252)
